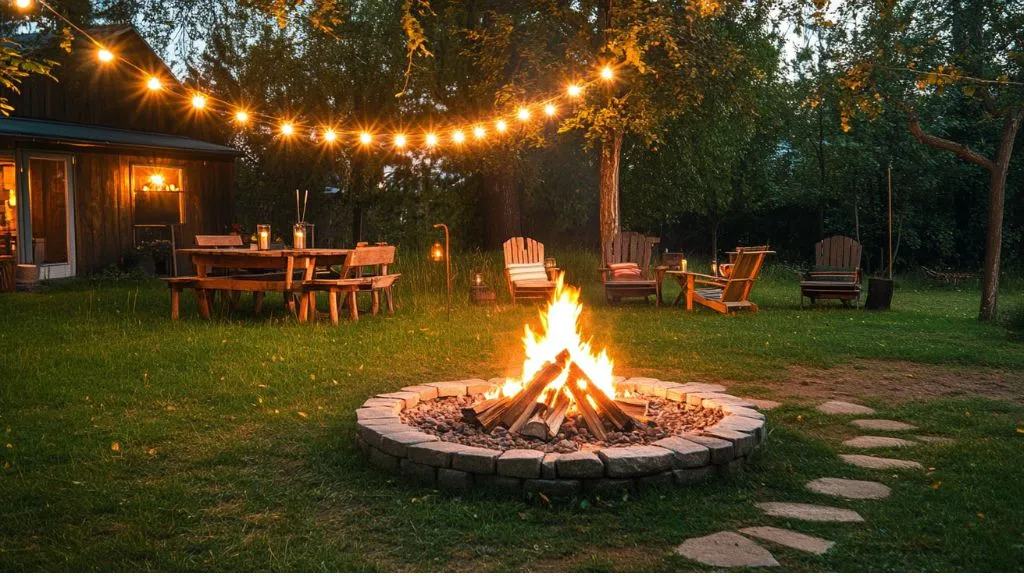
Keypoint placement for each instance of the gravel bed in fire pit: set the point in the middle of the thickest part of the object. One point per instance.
(443, 418)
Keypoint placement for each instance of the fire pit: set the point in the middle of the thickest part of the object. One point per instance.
(567, 424)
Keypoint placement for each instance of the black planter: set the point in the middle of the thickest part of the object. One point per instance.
(879, 294)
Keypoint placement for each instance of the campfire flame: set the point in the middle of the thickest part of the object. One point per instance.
(560, 331)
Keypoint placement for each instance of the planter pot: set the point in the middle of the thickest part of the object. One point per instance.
(879, 294)
(27, 276)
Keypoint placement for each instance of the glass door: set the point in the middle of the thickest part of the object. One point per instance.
(48, 238)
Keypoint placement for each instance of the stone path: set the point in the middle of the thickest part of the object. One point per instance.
(764, 404)
(731, 549)
(878, 442)
(887, 425)
(876, 463)
(837, 407)
(810, 512)
(851, 489)
(790, 539)
(726, 550)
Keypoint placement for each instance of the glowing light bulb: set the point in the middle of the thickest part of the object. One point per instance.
(287, 129)
(156, 179)
(365, 138)
(523, 114)
(479, 132)
(430, 139)
(400, 140)
(241, 116)
(154, 84)
(550, 110)
(458, 137)
(104, 55)
(574, 90)
(500, 126)
(330, 135)
(23, 4)
(199, 101)
(607, 73)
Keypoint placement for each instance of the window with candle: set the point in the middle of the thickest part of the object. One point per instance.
(158, 196)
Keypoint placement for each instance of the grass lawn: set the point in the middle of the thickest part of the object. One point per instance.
(130, 443)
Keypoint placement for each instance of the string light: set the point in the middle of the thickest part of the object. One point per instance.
(607, 73)
(500, 126)
(365, 138)
(198, 101)
(523, 114)
(154, 84)
(242, 117)
(574, 90)
(287, 129)
(399, 140)
(458, 137)
(104, 55)
(479, 132)
(430, 139)
(23, 4)
(330, 136)
(550, 110)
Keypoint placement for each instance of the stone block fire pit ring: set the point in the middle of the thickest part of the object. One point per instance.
(685, 459)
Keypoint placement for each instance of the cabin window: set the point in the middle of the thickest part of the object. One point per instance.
(158, 195)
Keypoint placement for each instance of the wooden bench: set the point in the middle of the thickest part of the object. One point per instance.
(179, 283)
(365, 270)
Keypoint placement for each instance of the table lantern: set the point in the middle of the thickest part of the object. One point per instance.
(437, 252)
(263, 236)
(682, 265)
(478, 279)
(550, 263)
(299, 236)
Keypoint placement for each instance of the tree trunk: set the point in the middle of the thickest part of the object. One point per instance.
(996, 200)
(714, 241)
(504, 215)
(608, 187)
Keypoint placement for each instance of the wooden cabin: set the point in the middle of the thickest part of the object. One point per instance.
(96, 169)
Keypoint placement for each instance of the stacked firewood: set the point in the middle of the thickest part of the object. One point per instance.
(538, 411)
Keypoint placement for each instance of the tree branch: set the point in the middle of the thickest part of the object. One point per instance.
(961, 150)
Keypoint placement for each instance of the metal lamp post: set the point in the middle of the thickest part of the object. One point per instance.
(435, 255)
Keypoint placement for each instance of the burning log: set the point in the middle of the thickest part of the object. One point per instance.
(546, 421)
(579, 394)
(472, 413)
(634, 408)
(527, 397)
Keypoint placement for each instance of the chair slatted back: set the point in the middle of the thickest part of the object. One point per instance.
(629, 247)
(520, 250)
(839, 252)
(744, 273)
(219, 241)
(378, 257)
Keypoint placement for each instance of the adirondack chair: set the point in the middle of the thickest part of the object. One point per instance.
(627, 268)
(524, 270)
(836, 274)
(724, 295)
(725, 269)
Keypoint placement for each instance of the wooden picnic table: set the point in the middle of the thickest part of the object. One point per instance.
(246, 260)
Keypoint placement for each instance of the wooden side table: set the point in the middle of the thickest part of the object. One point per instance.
(553, 273)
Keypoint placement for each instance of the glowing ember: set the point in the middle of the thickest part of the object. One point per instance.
(560, 331)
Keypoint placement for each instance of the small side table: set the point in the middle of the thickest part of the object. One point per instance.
(553, 273)
(482, 295)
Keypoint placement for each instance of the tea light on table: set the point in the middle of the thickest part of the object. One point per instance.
(263, 236)
(299, 236)
(682, 265)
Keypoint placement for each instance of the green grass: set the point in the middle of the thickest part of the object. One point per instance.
(237, 436)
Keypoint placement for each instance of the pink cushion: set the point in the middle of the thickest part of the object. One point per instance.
(628, 271)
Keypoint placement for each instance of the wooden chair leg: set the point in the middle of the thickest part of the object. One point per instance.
(235, 296)
(257, 302)
(391, 304)
(353, 308)
(375, 306)
(332, 300)
(175, 301)
(303, 307)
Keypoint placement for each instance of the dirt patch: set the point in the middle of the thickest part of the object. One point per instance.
(894, 380)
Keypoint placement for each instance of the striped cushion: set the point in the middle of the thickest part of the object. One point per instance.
(625, 270)
(526, 272)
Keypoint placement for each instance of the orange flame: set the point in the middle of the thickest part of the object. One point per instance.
(560, 331)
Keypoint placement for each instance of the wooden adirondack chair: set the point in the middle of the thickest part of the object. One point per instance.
(725, 295)
(524, 270)
(836, 274)
(623, 249)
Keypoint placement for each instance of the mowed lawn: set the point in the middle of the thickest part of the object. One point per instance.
(131, 443)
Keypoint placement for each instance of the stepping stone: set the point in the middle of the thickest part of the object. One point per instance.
(934, 439)
(890, 425)
(790, 539)
(812, 512)
(878, 442)
(726, 550)
(852, 489)
(764, 404)
(876, 463)
(837, 407)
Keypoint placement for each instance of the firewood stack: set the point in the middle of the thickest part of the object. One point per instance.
(538, 412)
